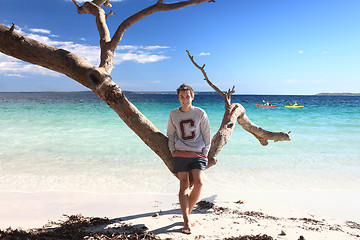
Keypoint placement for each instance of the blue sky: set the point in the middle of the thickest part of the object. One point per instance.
(260, 46)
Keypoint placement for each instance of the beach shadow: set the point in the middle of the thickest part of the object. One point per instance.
(210, 199)
(150, 214)
(177, 211)
(173, 227)
(169, 228)
(176, 220)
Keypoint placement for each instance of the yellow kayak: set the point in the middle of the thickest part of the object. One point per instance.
(294, 106)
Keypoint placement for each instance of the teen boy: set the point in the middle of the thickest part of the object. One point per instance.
(189, 142)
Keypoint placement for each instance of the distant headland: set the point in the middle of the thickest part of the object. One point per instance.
(213, 92)
(338, 94)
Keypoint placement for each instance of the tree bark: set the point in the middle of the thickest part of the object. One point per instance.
(234, 112)
(98, 79)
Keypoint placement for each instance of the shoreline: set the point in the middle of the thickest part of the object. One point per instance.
(292, 212)
(198, 92)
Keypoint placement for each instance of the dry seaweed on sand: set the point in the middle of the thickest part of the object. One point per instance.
(251, 237)
(353, 225)
(80, 227)
(205, 205)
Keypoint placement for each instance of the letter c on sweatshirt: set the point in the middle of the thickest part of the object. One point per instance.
(191, 123)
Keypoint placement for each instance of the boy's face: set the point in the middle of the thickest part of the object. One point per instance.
(185, 98)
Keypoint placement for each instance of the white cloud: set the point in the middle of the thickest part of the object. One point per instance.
(127, 47)
(139, 54)
(301, 51)
(155, 47)
(38, 30)
(204, 54)
(90, 53)
(139, 48)
(14, 75)
(140, 58)
(18, 67)
(291, 81)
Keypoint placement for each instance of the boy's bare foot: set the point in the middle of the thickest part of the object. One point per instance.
(186, 230)
(187, 227)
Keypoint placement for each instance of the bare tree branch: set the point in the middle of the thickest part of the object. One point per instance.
(110, 14)
(99, 3)
(107, 3)
(108, 45)
(98, 79)
(159, 6)
(11, 30)
(226, 96)
(94, 8)
(235, 112)
(77, 5)
(59, 60)
(262, 135)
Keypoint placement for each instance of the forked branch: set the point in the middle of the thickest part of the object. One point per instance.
(157, 7)
(94, 8)
(225, 95)
(108, 45)
(77, 5)
(98, 79)
(110, 14)
(235, 112)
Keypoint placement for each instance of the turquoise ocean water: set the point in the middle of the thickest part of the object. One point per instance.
(75, 142)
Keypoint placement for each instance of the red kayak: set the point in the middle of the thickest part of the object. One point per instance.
(261, 105)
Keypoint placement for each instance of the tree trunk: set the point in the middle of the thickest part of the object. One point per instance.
(98, 79)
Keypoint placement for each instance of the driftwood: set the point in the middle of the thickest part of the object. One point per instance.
(98, 79)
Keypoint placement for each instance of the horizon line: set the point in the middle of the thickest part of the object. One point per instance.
(198, 92)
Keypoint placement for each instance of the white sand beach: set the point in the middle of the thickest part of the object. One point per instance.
(310, 187)
(281, 215)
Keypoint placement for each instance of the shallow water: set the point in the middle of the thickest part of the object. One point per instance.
(75, 142)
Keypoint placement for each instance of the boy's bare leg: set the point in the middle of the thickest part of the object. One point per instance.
(184, 193)
(196, 191)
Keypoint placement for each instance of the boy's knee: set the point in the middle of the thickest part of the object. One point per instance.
(184, 184)
(198, 183)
